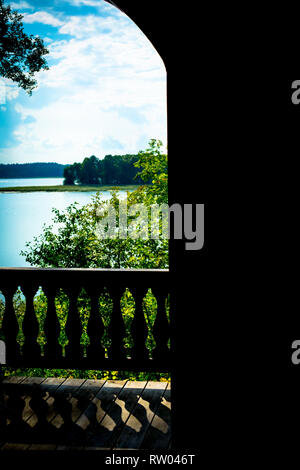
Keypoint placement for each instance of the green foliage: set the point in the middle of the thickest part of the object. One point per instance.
(88, 374)
(62, 188)
(19, 307)
(70, 242)
(69, 175)
(83, 304)
(73, 241)
(21, 56)
(111, 170)
(154, 165)
(31, 170)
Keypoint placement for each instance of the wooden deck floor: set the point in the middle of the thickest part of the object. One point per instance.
(54, 414)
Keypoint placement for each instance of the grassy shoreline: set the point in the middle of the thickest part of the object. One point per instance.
(61, 188)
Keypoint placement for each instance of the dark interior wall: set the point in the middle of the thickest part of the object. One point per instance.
(233, 145)
(173, 29)
(152, 18)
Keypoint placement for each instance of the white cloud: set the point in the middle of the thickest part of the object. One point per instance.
(65, 132)
(12, 92)
(88, 25)
(91, 3)
(108, 61)
(111, 88)
(20, 6)
(8, 90)
(80, 27)
(47, 40)
(42, 17)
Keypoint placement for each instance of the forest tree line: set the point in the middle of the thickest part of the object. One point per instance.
(111, 170)
(31, 170)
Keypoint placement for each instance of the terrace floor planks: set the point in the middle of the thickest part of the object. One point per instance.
(61, 414)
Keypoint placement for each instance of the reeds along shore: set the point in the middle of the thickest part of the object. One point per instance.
(27, 189)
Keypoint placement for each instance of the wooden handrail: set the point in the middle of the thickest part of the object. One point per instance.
(93, 281)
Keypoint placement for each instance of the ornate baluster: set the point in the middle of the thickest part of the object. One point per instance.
(73, 327)
(95, 328)
(31, 348)
(117, 328)
(53, 349)
(10, 325)
(161, 328)
(139, 327)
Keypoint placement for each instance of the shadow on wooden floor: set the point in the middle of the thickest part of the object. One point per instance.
(56, 413)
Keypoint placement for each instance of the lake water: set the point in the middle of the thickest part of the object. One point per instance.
(22, 215)
(7, 182)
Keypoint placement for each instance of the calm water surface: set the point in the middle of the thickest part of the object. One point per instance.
(7, 182)
(22, 216)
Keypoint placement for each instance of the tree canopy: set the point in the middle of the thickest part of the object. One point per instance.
(154, 170)
(21, 55)
(111, 170)
(32, 170)
(72, 242)
(73, 239)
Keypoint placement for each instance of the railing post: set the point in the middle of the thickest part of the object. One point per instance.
(93, 282)
(95, 328)
(31, 348)
(10, 325)
(53, 349)
(139, 327)
(161, 328)
(116, 327)
(73, 327)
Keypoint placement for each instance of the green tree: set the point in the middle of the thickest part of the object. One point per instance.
(89, 171)
(72, 174)
(69, 175)
(154, 170)
(73, 240)
(112, 170)
(21, 55)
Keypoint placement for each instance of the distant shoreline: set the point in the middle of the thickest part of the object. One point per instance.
(70, 188)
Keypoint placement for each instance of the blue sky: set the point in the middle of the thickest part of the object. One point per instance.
(105, 92)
